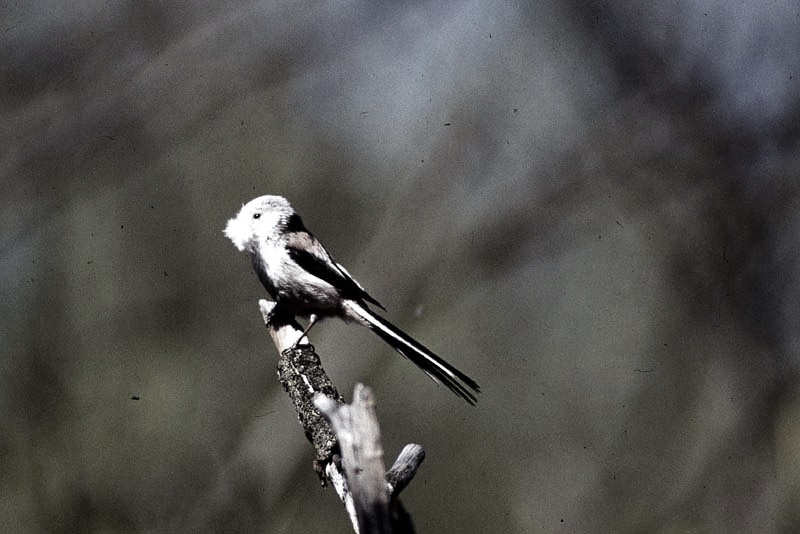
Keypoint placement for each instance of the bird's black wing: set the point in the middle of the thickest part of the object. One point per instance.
(308, 252)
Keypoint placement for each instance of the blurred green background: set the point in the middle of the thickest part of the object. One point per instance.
(591, 208)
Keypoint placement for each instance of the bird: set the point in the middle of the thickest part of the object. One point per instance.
(305, 281)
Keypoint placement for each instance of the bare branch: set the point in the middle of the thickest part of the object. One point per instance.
(404, 468)
(358, 477)
(356, 426)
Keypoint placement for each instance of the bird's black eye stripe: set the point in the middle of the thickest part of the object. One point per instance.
(256, 215)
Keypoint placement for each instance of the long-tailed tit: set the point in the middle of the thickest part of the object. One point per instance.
(304, 280)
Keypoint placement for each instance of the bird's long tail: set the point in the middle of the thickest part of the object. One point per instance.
(434, 366)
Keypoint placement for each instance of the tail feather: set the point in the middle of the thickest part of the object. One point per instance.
(434, 366)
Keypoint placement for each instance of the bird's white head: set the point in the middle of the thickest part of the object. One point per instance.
(258, 220)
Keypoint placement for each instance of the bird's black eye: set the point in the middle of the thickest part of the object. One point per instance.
(256, 215)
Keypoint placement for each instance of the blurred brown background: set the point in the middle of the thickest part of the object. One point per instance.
(592, 208)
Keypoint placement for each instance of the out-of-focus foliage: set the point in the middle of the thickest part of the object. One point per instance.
(592, 208)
